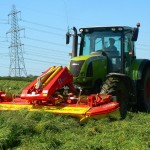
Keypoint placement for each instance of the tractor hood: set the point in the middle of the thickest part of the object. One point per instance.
(86, 62)
(88, 69)
(86, 59)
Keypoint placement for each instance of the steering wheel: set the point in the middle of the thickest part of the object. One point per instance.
(100, 52)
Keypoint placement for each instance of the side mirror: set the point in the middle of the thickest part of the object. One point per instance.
(67, 38)
(135, 32)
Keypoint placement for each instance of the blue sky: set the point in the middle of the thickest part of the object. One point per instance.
(46, 22)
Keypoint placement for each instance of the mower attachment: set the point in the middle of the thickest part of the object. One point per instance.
(47, 93)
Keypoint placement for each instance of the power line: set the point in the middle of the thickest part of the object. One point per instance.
(49, 58)
(58, 44)
(3, 47)
(42, 61)
(4, 66)
(43, 31)
(143, 49)
(2, 37)
(47, 54)
(47, 49)
(3, 21)
(47, 26)
(42, 56)
(4, 54)
(147, 45)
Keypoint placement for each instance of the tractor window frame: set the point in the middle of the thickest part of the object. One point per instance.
(97, 40)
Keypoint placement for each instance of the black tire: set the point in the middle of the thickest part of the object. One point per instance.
(116, 87)
(144, 92)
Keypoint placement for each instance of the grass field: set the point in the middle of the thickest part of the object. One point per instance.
(23, 130)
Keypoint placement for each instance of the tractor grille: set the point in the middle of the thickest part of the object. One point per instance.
(75, 67)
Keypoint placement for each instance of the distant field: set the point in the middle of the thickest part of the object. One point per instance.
(14, 85)
(23, 130)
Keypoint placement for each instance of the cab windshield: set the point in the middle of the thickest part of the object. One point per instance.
(100, 40)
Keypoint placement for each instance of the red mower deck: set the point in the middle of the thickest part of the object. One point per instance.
(45, 94)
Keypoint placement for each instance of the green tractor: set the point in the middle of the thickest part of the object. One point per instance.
(106, 63)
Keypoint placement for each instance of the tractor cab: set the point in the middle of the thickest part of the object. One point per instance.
(102, 50)
(104, 41)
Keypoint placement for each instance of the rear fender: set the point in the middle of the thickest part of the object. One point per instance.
(138, 67)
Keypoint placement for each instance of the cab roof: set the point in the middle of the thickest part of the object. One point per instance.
(106, 28)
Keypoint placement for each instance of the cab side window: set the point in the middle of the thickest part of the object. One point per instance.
(128, 44)
(128, 53)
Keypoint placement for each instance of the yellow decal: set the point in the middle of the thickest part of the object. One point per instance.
(67, 110)
(54, 109)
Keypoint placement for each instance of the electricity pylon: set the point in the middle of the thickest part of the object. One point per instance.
(17, 65)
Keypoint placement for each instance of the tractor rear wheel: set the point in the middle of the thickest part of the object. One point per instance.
(116, 87)
(144, 92)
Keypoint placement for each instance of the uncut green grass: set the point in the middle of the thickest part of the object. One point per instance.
(23, 130)
(13, 86)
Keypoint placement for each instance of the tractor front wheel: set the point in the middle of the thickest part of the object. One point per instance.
(116, 87)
